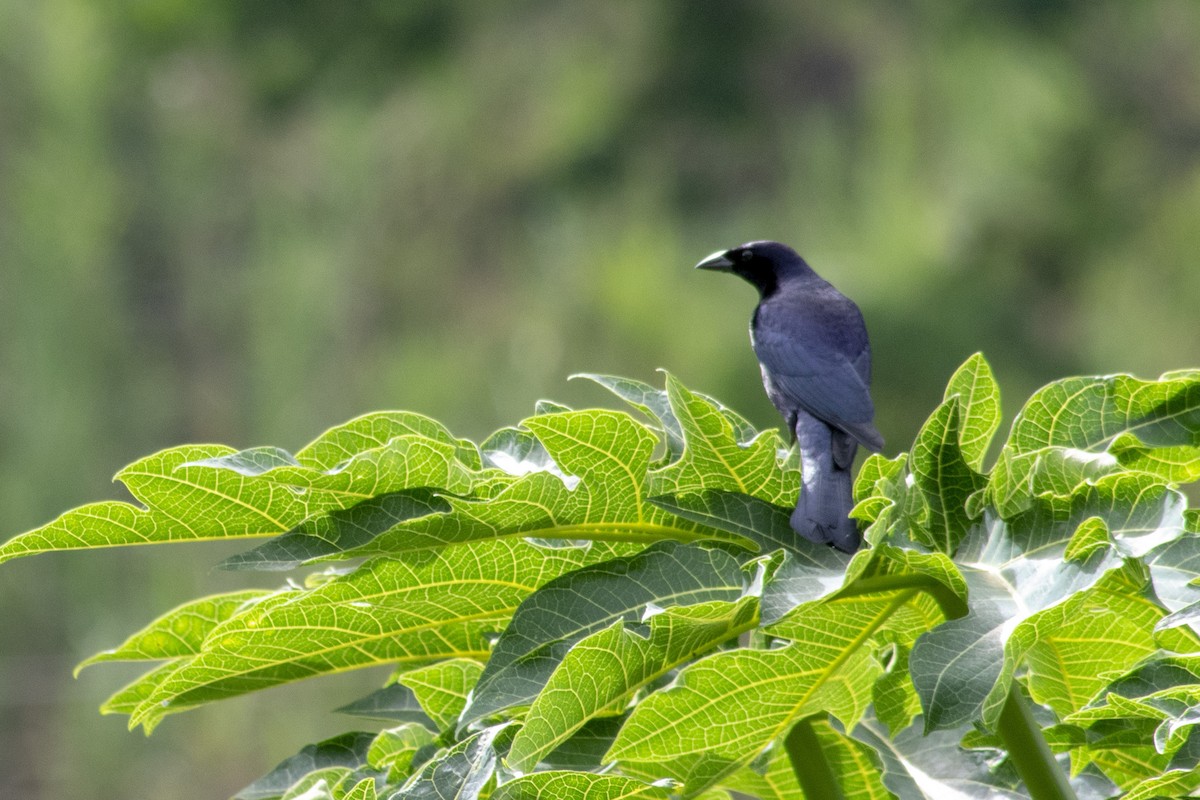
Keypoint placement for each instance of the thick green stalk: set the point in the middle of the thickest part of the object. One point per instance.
(809, 763)
(1028, 751)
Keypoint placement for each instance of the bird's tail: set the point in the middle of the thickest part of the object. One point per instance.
(826, 496)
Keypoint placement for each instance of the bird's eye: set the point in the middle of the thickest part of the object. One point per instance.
(746, 255)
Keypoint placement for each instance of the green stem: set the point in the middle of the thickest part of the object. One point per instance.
(951, 604)
(1028, 751)
(1022, 736)
(809, 763)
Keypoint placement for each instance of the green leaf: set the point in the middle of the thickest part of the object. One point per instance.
(1051, 471)
(1083, 413)
(393, 703)
(1174, 464)
(112, 524)
(941, 471)
(652, 402)
(375, 430)
(181, 631)
(320, 784)
(363, 790)
(852, 765)
(1017, 568)
(1090, 537)
(933, 766)
(956, 668)
(442, 688)
(894, 697)
(1175, 783)
(978, 397)
(577, 786)
(1081, 643)
(725, 709)
(348, 751)
(889, 501)
(597, 492)
(129, 697)
(754, 520)
(1173, 569)
(713, 457)
(459, 773)
(591, 599)
(403, 462)
(608, 666)
(339, 530)
(386, 611)
(800, 576)
(392, 751)
(199, 492)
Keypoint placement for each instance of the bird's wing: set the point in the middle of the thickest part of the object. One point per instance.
(817, 364)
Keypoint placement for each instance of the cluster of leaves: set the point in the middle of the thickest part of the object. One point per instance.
(597, 604)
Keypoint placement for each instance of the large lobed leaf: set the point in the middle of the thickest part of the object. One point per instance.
(621, 603)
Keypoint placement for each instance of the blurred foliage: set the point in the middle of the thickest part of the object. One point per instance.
(246, 221)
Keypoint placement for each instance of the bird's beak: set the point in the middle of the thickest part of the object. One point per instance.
(717, 261)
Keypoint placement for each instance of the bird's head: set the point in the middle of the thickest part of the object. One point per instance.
(763, 264)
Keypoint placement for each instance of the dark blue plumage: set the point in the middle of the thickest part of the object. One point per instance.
(812, 346)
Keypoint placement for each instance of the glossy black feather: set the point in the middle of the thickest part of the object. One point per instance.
(815, 356)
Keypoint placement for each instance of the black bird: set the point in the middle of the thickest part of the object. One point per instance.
(812, 346)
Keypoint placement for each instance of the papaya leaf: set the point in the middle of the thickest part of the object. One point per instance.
(725, 709)
(393, 703)
(1078, 645)
(940, 469)
(852, 764)
(562, 612)
(753, 519)
(363, 790)
(582, 785)
(181, 631)
(393, 750)
(442, 688)
(651, 401)
(584, 750)
(348, 750)
(386, 611)
(339, 530)
(714, 458)
(1084, 413)
(597, 491)
(607, 667)
(1016, 568)
(933, 766)
(978, 398)
(458, 773)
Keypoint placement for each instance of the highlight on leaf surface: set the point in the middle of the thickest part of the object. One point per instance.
(608, 603)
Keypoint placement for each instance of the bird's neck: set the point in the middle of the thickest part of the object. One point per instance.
(769, 283)
(766, 283)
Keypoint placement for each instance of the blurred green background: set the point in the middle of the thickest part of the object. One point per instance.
(244, 222)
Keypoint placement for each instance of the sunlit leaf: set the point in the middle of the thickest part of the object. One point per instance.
(442, 688)
(588, 600)
(1083, 413)
(978, 396)
(392, 750)
(181, 631)
(386, 611)
(608, 666)
(940, 469)
(578, 786)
